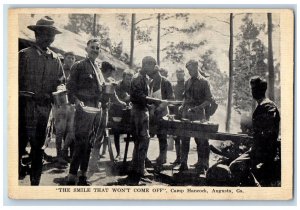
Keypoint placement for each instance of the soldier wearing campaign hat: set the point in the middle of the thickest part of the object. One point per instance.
(40, 72)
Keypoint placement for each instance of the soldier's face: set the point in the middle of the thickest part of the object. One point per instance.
(193, 70)
(127, 79)
(149, 68)
(44, 38)
(69, 60)
(180, 76)
(93, 50)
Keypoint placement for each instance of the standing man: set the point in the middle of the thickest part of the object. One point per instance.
(139, 90)
(178, 92)
(64, 119)
(197, 96)
(108, 71)
(122, 91)
(84, 86)
(160, 88)
(40, 72)
(265, 124)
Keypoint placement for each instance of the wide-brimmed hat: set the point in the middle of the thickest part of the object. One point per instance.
(46, 23)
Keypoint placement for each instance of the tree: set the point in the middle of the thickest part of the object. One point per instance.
(250, 59)
(230, 89)
(132, 39)
(270, 59)
(158, 39)
(218, 80)
(86, 23)
(174, 52)
(137, 33)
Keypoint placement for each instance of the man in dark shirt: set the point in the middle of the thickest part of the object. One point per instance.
(139, 90)
(178, 92)
(40, 72)
(108, 71)
(160, 88)
(197, 96)
(265, 124)
(85, 90)
(122, 91)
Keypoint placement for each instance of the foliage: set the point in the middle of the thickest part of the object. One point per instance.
(250, 60)
(84, 22)
(218, 80)
(175, 52)
(117, 51)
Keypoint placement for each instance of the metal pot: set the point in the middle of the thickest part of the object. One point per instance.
(109, 88)
(60, 98)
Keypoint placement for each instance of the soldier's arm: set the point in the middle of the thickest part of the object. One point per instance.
(169, 90)
(61, 74)
(72, 84)
(116, 100)
(269, 122)
(137, 94)
(22, 69)
(208, 97)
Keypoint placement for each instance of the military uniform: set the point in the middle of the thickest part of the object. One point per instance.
(265, 124)
(139, 90)
(40, 72)
(196, 91)
(163, 91)
(84, 85)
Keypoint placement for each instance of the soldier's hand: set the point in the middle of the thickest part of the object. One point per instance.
(79, 104)
(191, 110)
(180, 109)
(123, 104)
(164, 103)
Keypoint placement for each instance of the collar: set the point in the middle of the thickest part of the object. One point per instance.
(264, 101)
(66, 67)
(199, 77)
(46, 53)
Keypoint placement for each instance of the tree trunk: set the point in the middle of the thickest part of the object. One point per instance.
(132, 39)
(94, 25)
(158, 39)
(270, 59)
(230, 88)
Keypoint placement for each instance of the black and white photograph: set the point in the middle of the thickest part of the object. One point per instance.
(187, 102)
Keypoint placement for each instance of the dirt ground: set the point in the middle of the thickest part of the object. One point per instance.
(113, 173)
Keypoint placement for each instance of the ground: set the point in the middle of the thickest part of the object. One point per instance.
(113, 173)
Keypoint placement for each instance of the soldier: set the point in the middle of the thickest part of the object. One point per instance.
(40, 72)
(265, 125)
(197, 96)
(122, 91)
(139, 90)
(84, 86)
(160, 88)
(178, 92)
(108, 71)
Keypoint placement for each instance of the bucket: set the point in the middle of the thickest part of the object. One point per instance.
(93, 111)
(109, 88)
(60, 98)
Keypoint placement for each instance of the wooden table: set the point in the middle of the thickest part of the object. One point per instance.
(220, 136)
